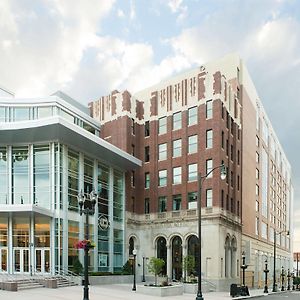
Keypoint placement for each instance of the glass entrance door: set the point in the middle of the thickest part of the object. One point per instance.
(3, 259)
(21, 260)
(42, 260)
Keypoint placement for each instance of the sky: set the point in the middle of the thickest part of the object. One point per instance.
(89, 48)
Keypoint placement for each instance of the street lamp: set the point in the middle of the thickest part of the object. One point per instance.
(274, 262)
(282, 278)
(289, 275)
(87, 207)
(134, 252)
(266, 276)
(200, 182)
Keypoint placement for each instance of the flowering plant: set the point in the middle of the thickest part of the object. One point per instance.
(84, 244)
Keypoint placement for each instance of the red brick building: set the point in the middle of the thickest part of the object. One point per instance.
(191, 123)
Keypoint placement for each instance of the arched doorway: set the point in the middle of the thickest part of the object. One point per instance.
(227, 257)
(161, 246)
(193, 250)
(176, 258)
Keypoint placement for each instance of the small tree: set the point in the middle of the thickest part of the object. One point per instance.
(127, 268)
(77, 266)
(188, 264)
(155, 266)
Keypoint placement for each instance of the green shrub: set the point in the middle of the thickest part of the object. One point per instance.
(77, 266)
(155, 266)
(127, 268)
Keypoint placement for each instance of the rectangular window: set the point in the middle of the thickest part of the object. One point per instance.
(162, 151)
(209, 166)
(147, 153)
(231, 152)
(162, 178)
(257, 190)
(256, 226)
(209, 199)
(257, 174)
(192, 116)
(209, 109)
(177, 120)
(162, 204)
(162, 125)
(257, 157)
(222, 140)
(232, 126)
(238, 157)
(132, 127)
(192, 200)
(147, 180)
(147, 128)
(264, 230)
(132, 179)
(192, 144)
(231, 178)
(192, 172)
(177, 175)
(132, 150)
(147, 206)
(209, 139)
(176, 202)
(257, 141)
(177, 148)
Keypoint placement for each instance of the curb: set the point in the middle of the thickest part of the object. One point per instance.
(261, 295)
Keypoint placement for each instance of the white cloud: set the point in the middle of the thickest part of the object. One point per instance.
(175, 5)
(132, 13)
(120, 13)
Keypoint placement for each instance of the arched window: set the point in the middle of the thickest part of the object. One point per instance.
(161, 247)
(131, 245)
(193, 250)
(233, 258)
(227, 257)
(176, 258)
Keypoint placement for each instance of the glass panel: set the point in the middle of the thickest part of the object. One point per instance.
(42, 232)
(21, 113)
(3, 232)
(20, 232)
(38, 260)
(3, 259)
(88, 175)
(17, 260)
(73, 179)
(41, 178)
(47, 261)
(20, 175)
(25, 260)
(44, 112)
(3, 176)
(73, 238)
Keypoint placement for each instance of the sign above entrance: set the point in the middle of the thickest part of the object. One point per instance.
(103, 222)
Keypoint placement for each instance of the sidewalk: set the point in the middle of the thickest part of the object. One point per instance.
(109, 292)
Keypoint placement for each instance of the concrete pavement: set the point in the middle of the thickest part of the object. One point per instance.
(108, 292)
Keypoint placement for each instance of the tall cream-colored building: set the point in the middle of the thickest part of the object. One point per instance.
(191, 123)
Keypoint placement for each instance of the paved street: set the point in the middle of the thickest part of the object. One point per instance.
(121, 292)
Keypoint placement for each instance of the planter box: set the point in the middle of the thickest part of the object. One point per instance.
(163, 291)
(190, 288)
(98, 280)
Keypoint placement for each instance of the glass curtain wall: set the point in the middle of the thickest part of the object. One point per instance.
(118, 218)
(41, 176)
(58, 159)
(3, 176)
(73, 179)
(58, 242)
(20, 175)
(103, 208)
(3, 244)
(73, 237)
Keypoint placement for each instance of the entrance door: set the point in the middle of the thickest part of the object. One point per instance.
(21, 260)
(3, 259)
(42, 260)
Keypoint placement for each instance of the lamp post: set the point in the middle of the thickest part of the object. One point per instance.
(134, 252)
(274, 262)
(282, 279)
(31, 256)
(243, 267)
(293, 277)
(289, 279)
(87, 207)
(200, 182)
(266, 276)
(143, 278)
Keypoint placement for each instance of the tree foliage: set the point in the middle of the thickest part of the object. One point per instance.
(155, 266)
